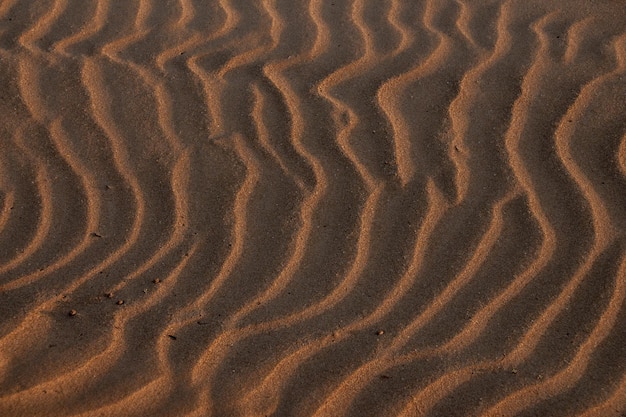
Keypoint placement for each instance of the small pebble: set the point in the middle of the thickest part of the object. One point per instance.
(156, 280)
(120, 302)
(380, 332)
(109, 295)
(72, 313)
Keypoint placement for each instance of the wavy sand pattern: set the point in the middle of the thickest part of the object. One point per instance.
(313, 208)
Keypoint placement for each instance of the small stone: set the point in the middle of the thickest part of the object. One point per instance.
(72, 313)
(513, 371)
(120, 302)
(109, 295)
(380, 333)
(156, 281)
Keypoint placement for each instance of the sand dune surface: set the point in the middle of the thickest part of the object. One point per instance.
(313, 208)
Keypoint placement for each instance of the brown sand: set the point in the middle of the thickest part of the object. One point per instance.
(313, 208)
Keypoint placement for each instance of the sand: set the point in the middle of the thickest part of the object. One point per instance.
(312, 208)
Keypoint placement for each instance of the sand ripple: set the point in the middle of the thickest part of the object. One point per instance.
(312, 208)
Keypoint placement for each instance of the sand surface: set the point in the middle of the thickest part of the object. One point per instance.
(312, 208)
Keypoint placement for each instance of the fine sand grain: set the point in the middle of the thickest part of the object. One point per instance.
(312, 208)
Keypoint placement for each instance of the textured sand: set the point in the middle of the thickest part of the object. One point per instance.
(312, 208)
